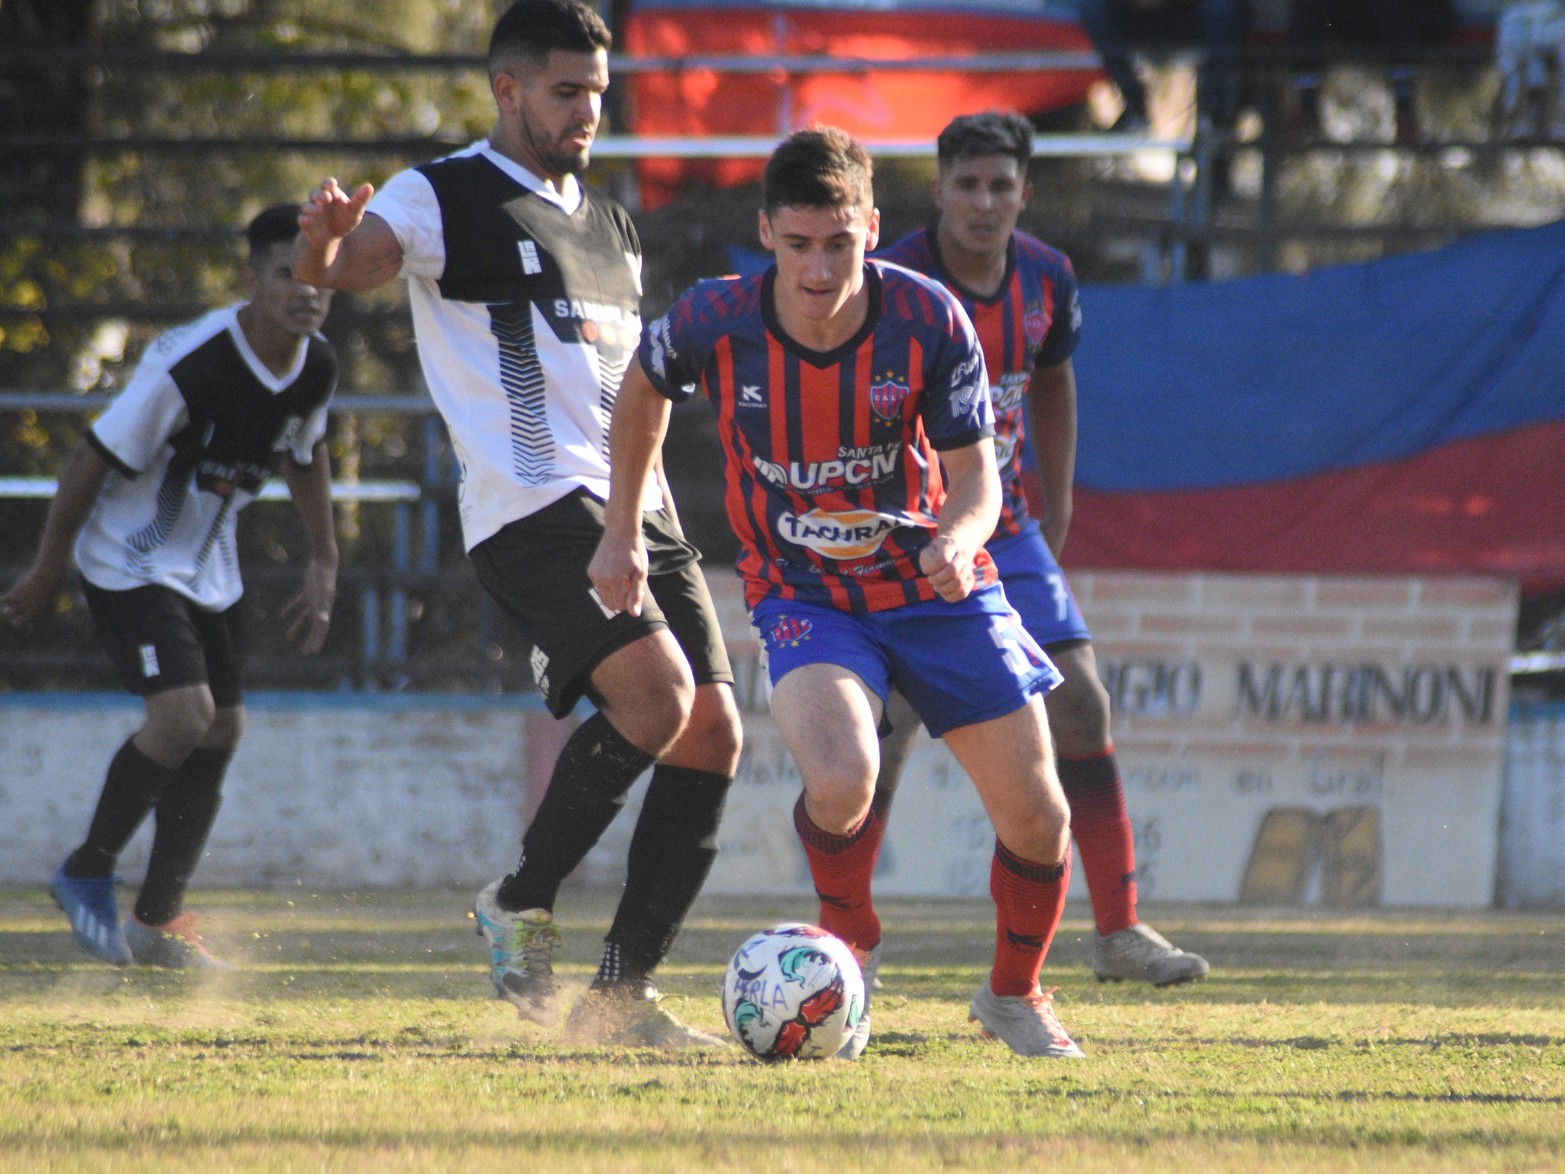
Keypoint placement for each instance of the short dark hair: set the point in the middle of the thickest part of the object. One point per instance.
(277, 225)
(994, 132)
(822, 167)
(532, 28)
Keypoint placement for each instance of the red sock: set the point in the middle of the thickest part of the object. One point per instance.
(841, 867)
(1028, 901)
(1104, 840)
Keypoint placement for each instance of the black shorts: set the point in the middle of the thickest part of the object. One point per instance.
(159, 640)
(536, 570)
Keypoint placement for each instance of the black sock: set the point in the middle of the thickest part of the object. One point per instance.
(184, 817)
(670, 856)
(586, 791)
(130, 790)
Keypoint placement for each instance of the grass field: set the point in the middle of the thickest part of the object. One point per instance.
(357, 1031)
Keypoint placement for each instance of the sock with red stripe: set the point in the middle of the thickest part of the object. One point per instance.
(1104, 839)
(841, 867)
(1029, 899)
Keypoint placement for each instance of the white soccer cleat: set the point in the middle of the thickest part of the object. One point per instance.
(174, 945)
(1142, 954)
(869, 963)
(631, 1015)
(1026, 1024)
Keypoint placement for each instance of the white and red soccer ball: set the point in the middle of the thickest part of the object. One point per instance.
(793, 992)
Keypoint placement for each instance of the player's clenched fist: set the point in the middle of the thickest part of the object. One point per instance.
(949, 568)
(619, 573)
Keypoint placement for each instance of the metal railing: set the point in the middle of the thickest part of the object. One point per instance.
(384, 586)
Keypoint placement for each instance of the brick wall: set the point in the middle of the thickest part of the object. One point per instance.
(1282, 739)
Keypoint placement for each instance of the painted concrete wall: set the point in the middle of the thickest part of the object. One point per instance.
(1532, 822)
(1334, 740)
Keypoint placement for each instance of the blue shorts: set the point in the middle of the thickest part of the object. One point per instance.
(1037, 589)
(957, 663)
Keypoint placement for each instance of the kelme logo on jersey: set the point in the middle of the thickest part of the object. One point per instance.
(850, 535)
(790, 631)
(886, 397)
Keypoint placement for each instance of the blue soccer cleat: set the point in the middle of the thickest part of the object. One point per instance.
(88, 902)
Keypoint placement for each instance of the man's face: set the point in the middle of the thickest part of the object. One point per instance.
(549, 113)
(820, 256)
(979, 200)
(279, 298)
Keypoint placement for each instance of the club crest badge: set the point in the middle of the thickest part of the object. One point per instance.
(887, 397)
(1036, 323)
(790, 631)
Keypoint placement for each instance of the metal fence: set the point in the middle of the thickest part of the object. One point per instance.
(410, 613)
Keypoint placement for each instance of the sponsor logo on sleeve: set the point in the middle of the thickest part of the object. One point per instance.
(662, 348)
(967, 383)
(540, 667)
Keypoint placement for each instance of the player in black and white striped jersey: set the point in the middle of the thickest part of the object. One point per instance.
(148, 500)
(525, 288)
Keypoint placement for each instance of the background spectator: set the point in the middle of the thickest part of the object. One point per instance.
(1119, 28)
(1392, 26)
(1530, 55)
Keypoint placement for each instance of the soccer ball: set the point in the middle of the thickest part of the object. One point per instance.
(793, 992)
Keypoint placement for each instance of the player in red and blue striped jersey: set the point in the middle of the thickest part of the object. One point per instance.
(859, 465)
(1027, 323)
(1021, 296)
(833, 456)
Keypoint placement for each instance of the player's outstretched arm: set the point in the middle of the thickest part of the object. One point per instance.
(310, 488)
(619, 566)
(340, 245)
(1051, 427)
(30, 597)
(968, 517)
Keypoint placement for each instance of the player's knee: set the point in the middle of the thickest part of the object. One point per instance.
(1079, 715)
(1040, 831)
(839, 798)
(714, 729)
(177, 722)
(655, 722)
(227, 727)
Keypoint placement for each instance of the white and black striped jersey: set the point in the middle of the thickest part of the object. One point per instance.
(190, 441)
(526, 305)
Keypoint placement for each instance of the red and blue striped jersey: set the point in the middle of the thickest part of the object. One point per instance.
(831, 473)
(1032, 320)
